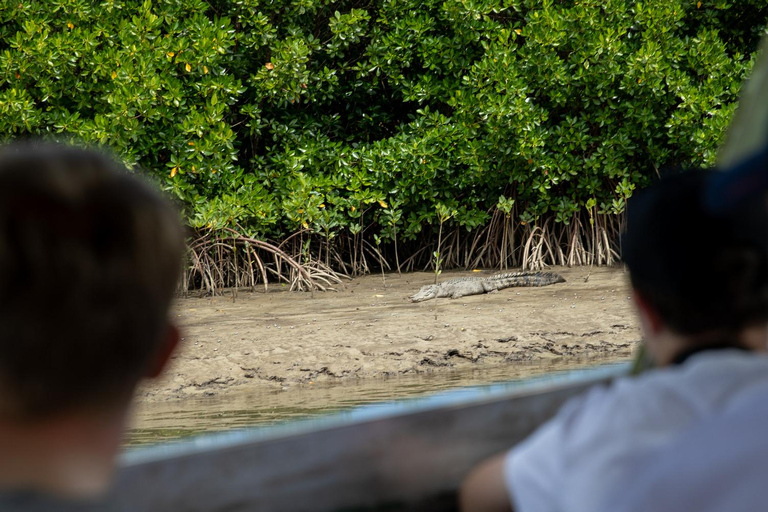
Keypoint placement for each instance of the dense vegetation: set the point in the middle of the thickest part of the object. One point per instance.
(361, 132)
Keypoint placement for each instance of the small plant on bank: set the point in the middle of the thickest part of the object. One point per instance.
(377, 240)
(391, 217)
(443, 214)
(505, 207)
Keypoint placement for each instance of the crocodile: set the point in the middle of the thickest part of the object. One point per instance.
(475, 285)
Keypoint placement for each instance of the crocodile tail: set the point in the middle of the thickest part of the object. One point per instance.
(528, 279)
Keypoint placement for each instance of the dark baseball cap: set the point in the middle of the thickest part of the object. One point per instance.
(701, 270)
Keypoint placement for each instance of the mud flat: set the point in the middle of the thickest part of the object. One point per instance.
(367, 330)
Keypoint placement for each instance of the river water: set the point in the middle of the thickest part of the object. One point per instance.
(153, 423)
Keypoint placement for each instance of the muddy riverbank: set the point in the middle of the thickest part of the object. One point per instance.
(368, 330)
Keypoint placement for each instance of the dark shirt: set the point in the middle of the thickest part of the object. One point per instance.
(30, 501)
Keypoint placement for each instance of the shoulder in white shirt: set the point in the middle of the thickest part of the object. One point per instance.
(576, 461)
(718, 465)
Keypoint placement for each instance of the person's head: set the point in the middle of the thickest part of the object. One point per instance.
(89, 260)
(699, 277)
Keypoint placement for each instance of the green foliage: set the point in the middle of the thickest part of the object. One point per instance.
(331, 116)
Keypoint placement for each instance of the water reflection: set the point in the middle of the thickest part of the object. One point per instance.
(166, 421)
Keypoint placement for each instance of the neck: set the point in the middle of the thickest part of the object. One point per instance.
(668, 345)
(68, 455)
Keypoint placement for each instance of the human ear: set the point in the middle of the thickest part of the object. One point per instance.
(164, 351)
(650, 320)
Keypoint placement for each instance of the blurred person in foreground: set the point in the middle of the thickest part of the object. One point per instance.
(89, 258)
(700, 287)
(720, 465)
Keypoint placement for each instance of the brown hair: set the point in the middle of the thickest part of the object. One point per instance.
(89, 259)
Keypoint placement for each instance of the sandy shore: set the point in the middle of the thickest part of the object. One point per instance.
(366, 330)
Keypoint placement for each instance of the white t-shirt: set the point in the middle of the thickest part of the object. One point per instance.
(578, 460)
(720, 465)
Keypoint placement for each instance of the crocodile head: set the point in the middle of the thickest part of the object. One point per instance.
(426, 293)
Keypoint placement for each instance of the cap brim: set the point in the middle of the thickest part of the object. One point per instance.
(742, 182)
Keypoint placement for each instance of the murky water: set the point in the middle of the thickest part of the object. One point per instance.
(167, 421)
